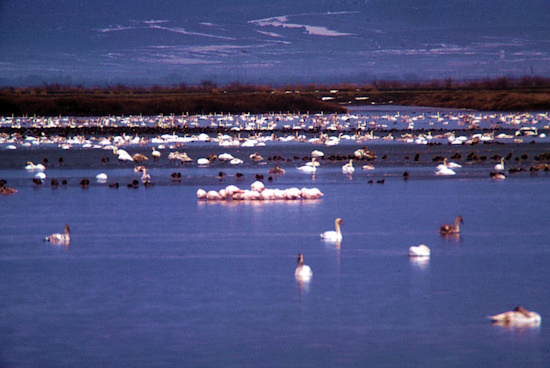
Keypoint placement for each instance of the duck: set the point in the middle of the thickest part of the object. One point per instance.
(448, 229)
(138, 157)
(519, 317)
(84, 183)
(303, 272)
(419, 251)
(4, 190)
(334, 235)
(60, 238)
(277, 170)
(348, 168)
(500, 167)
(256, 157)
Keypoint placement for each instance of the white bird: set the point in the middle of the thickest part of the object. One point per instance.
(257, 186)
(303, 272)
(419, 251)
(444, 170)
(348, 168)
(317, 154)
(60, 238)
(334, 235)
(225, 157)
(31, 167)
(519, 317)
(236, 161)
(309, 169)
(122, 154)
(40, 176)
(203, 161)
(156, 154)
(311, 193)
(101, 177)
(500, 167)
(201, 194)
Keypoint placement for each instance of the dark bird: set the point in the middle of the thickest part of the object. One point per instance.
(448, 229)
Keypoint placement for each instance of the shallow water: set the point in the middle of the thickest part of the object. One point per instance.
(153, 277)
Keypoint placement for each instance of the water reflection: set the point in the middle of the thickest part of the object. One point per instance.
(420, 263)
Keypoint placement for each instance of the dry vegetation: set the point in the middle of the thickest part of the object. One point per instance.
(496, 94)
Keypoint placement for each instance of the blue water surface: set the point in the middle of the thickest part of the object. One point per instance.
(153, 277)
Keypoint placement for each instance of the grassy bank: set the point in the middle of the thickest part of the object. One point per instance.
(491, 95)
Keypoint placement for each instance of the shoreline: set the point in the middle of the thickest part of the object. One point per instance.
(257, 100)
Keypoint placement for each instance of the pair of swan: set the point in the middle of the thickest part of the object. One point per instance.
(31, 167)
(519, 317)
(57, 238)
(448, 229)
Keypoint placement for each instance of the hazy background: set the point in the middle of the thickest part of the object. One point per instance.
(169, 42)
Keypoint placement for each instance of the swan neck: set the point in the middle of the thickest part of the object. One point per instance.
(337, 225)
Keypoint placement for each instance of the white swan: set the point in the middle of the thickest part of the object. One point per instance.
(309, 169)
(334, 235)
(303, 272)
(348, 168)
(156, 154)
(419, 251)
(122, 155)
(101, 177)
(500, 167)
(201, 194)
(257, 186)
(40, 176)
(31, 167)
(60, 238)
(317, 154)
(444, 170)
(203, 161)
(519, 317)
(311, 193)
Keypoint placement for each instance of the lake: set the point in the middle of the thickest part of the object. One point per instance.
(155, 277)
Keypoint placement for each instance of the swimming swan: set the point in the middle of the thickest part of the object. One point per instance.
(59, 238)
(334, 235)
(303, 272)
(500, 167)
(519, 317)
(419, 251)
(448, 229)
(309, 169)
(348, 168)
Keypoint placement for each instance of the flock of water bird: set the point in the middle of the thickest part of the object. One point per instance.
(319, 129)
(518, 317)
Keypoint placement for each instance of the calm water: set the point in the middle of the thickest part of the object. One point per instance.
(154, 278)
